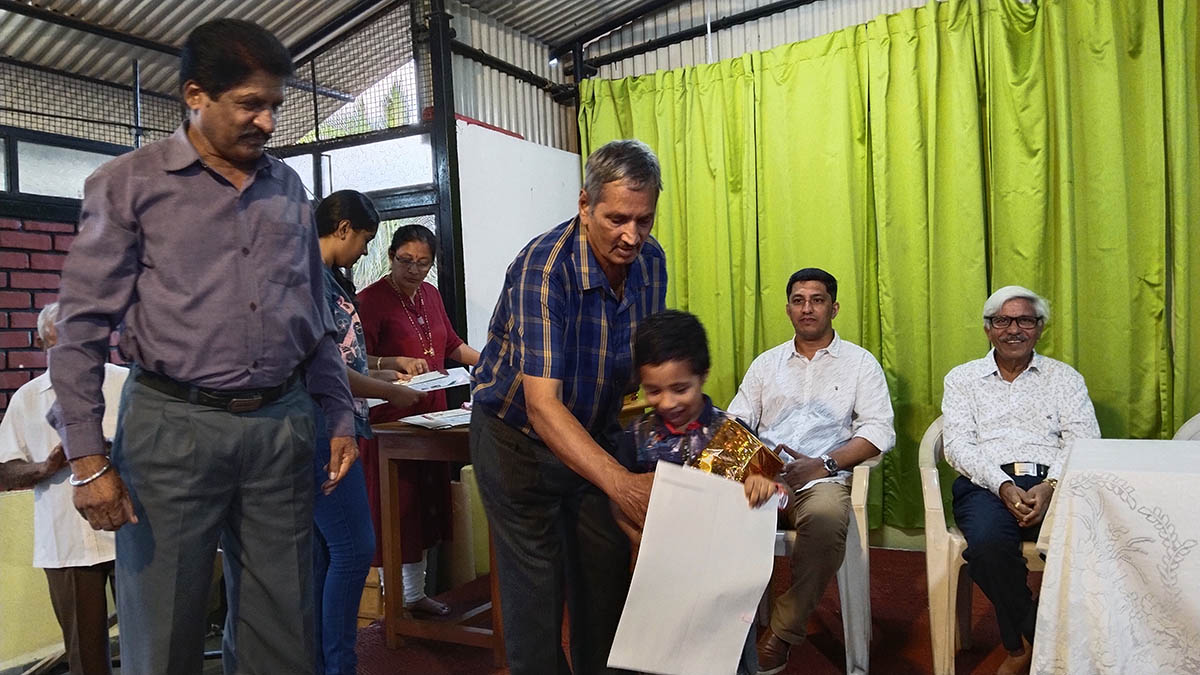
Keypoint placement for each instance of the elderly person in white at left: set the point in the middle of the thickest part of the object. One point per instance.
(1009, 419)
(78, 560)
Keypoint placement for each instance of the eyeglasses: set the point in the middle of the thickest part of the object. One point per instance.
(413, 264)
(1006, 321)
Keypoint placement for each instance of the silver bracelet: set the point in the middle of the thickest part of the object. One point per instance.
(76, 482)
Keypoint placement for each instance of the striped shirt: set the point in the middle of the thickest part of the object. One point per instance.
(558, 318)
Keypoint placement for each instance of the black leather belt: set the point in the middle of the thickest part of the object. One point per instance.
(1025, 469)
(234, 401)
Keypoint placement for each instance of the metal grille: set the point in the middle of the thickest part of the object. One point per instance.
(32, 98)
(375, 264)
(365, 81)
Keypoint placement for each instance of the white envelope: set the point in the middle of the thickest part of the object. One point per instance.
(705, 559)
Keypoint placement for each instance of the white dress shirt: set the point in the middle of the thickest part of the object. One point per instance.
(988, 422)
(816, 406)
(61, 537)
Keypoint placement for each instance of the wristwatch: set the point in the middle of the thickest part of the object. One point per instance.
(831, 465)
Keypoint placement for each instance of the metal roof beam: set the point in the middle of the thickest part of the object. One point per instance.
(348, 19)
(58, 18)
(691, 33)
(612, 24)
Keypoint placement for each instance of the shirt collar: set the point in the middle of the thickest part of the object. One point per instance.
(988, 367)
(179, 154)
(834, 348)
(705, 419)
(589, 271)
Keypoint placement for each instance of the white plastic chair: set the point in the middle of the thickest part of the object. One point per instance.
(1190, 431)
(853, 577)
(945, 569)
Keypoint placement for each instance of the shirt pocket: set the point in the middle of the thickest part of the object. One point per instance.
(283, 253)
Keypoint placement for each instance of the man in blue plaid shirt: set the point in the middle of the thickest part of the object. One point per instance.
(548, 387)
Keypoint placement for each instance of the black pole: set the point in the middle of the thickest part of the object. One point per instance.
(137, 103)
(444, 139)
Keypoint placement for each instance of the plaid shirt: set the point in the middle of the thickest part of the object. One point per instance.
(557, 317)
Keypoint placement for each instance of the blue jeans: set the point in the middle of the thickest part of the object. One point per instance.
(994, 558)
(343, 544)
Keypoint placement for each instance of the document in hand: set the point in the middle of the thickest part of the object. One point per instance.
(435, 380)
(705, 559)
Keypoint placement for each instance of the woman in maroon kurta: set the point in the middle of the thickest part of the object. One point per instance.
(407, 329)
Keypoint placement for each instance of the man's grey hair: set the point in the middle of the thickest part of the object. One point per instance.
(993, 304)
(629, 160)
(46, 318)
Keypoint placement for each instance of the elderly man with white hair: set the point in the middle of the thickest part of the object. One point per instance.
(1009, 419)
(77, 560)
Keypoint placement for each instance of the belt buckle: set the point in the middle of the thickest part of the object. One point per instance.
(1025, 468)
(244, 405)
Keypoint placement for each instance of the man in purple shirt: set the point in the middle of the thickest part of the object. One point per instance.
(202, 249)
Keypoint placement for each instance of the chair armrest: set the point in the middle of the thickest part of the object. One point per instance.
(860, 485)
(936, 531)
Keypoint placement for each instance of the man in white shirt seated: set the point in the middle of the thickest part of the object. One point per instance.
(823, 404)
(1009, 419)
(78, 560)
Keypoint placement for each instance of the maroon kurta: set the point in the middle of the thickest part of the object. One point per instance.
(394, 326)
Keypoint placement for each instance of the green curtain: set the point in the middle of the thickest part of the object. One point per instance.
(1077, 193)
(711, 241)
(927, 158)
(1181, 79)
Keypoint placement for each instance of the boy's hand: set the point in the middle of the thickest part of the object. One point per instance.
(759, 489)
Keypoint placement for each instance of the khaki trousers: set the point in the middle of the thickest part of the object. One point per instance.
(820, 516)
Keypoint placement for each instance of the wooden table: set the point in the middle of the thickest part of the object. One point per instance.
(399, 441)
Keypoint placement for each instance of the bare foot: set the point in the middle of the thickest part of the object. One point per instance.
(1018, 663)
(428, 605)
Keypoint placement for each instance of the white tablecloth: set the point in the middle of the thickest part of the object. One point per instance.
(1121, 590)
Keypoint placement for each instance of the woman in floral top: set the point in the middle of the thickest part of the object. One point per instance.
(343, 539)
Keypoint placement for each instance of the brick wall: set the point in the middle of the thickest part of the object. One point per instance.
(31, 258)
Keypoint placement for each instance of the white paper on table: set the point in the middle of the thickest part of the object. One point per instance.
(705, 559)
(443, 419)
(435, 380)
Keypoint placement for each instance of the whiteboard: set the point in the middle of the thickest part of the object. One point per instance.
(511, 190)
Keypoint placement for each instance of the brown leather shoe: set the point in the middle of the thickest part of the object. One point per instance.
(772, 654)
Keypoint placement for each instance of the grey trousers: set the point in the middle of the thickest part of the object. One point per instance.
(554, 536)
(200, 476)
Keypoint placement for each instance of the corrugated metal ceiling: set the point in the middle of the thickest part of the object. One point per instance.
(62, 48)
(553, 21)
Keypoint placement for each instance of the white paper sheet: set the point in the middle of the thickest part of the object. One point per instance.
(443, 419)
(435, 380)
(705, 559)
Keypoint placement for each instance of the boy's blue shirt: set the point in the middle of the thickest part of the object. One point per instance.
(650, 439)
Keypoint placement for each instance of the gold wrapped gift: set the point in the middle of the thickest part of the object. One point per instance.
(735, 452)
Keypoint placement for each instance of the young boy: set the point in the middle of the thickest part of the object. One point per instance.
(670, 354)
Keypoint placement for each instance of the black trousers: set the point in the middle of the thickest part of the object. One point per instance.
(554, 536)
(81, 606)
(994, 558)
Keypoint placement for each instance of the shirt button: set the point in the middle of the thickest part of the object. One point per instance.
(253, 307)
(245, 251)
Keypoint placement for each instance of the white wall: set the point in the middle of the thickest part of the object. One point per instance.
(511, 190)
